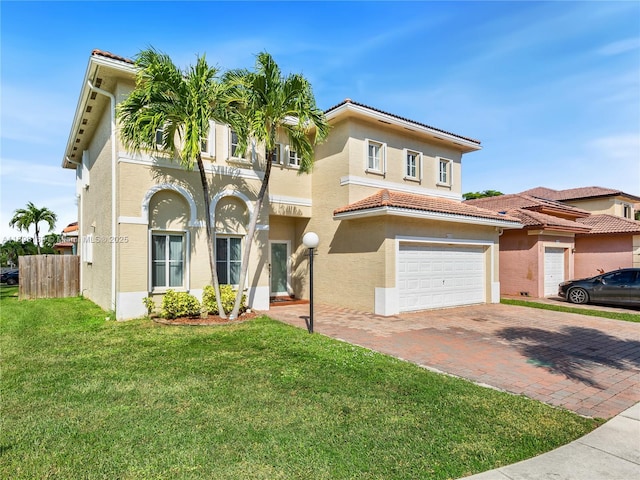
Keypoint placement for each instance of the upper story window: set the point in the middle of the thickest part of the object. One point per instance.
(275, 154)
(413, 164)
(294, 159)
(208, 143)
(444, 171)
(626, 211)
(233, 143)
(376, 156)
(167, 260)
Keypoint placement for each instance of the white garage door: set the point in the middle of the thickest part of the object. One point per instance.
(553, 269)
(433, 276)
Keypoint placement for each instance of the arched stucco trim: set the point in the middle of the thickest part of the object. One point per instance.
(193, 211)
(229, 193)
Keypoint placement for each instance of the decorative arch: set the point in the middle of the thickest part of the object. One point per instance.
(229, 193)
(193, 211)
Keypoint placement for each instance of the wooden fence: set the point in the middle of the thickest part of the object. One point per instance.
(48, 276)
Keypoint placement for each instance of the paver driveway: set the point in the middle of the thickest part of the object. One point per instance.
(585, 364)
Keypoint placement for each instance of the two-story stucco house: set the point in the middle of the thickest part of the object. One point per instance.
(573, 233)
(384, 198)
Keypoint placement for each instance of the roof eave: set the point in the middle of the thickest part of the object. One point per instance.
(461, 143)
(426, 215)
(95, 61)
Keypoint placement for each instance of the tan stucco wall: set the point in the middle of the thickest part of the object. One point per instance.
(168, 210)
(357, 256)
(96, 216)
(396, 143)
(609, 205)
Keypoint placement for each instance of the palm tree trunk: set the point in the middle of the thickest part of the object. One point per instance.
(37, 238)
(253, 223)
(210, 236)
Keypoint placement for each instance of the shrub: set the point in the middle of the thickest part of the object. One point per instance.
(179, 304)
(149, 304)
(228, 297)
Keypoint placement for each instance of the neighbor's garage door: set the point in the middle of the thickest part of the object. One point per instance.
(553, 269)
(434, 276)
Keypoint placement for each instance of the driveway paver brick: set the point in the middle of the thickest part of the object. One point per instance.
(590, 365)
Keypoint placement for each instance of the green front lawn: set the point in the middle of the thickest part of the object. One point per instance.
(86, 397)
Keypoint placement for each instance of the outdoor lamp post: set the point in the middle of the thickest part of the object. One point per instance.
(310, 240)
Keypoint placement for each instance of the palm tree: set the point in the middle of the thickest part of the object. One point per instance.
(23, 218)
(268, 102)
(179, 104)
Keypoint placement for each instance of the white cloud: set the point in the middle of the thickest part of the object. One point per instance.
(621, 46)
(14, 172)
(625, 147)
(34, 115)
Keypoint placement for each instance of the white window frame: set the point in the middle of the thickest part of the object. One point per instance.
(210, 148)
(185, 259)
(296, 163)
(382, 168)
(418, 167)
(228, 260)
(448, 171)
(278, 153)
(627, 211)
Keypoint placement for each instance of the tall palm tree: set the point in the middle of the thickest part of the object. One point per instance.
(23, 218)
(267, 102)
(180, 104)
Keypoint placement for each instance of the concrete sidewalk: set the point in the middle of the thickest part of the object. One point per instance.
(611, 452)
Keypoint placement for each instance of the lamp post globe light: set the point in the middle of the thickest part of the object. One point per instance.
(311, 240)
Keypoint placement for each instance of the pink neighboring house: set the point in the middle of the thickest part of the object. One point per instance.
(567, 234)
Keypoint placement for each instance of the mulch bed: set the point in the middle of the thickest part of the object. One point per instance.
(209, 320)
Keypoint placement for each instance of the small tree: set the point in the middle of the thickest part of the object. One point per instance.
(179, 104)
(23, 218)
(486, 193)
(266, 102)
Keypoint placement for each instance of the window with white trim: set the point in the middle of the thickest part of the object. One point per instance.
(626, 210)
(228, 259)
(294, 159)
(208, 143)
(444, 171)
(167, 260)
(376, 156)
(413, 164)
(233, 144)
(275, 154)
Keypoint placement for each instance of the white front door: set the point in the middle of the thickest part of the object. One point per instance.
(553, 269)
(435, 276)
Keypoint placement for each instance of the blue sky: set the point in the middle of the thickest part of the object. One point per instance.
(552, 89)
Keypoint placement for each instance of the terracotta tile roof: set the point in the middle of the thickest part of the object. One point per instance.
(604, 223)
(112, 56)
(530, 218)
(410, 201)
(72, 227)
(64, 245)
(348, 100)
(575, 193)
(503, 203)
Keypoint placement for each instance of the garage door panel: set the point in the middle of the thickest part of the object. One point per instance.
(448, 276)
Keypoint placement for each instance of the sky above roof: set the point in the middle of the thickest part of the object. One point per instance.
(551, 89)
